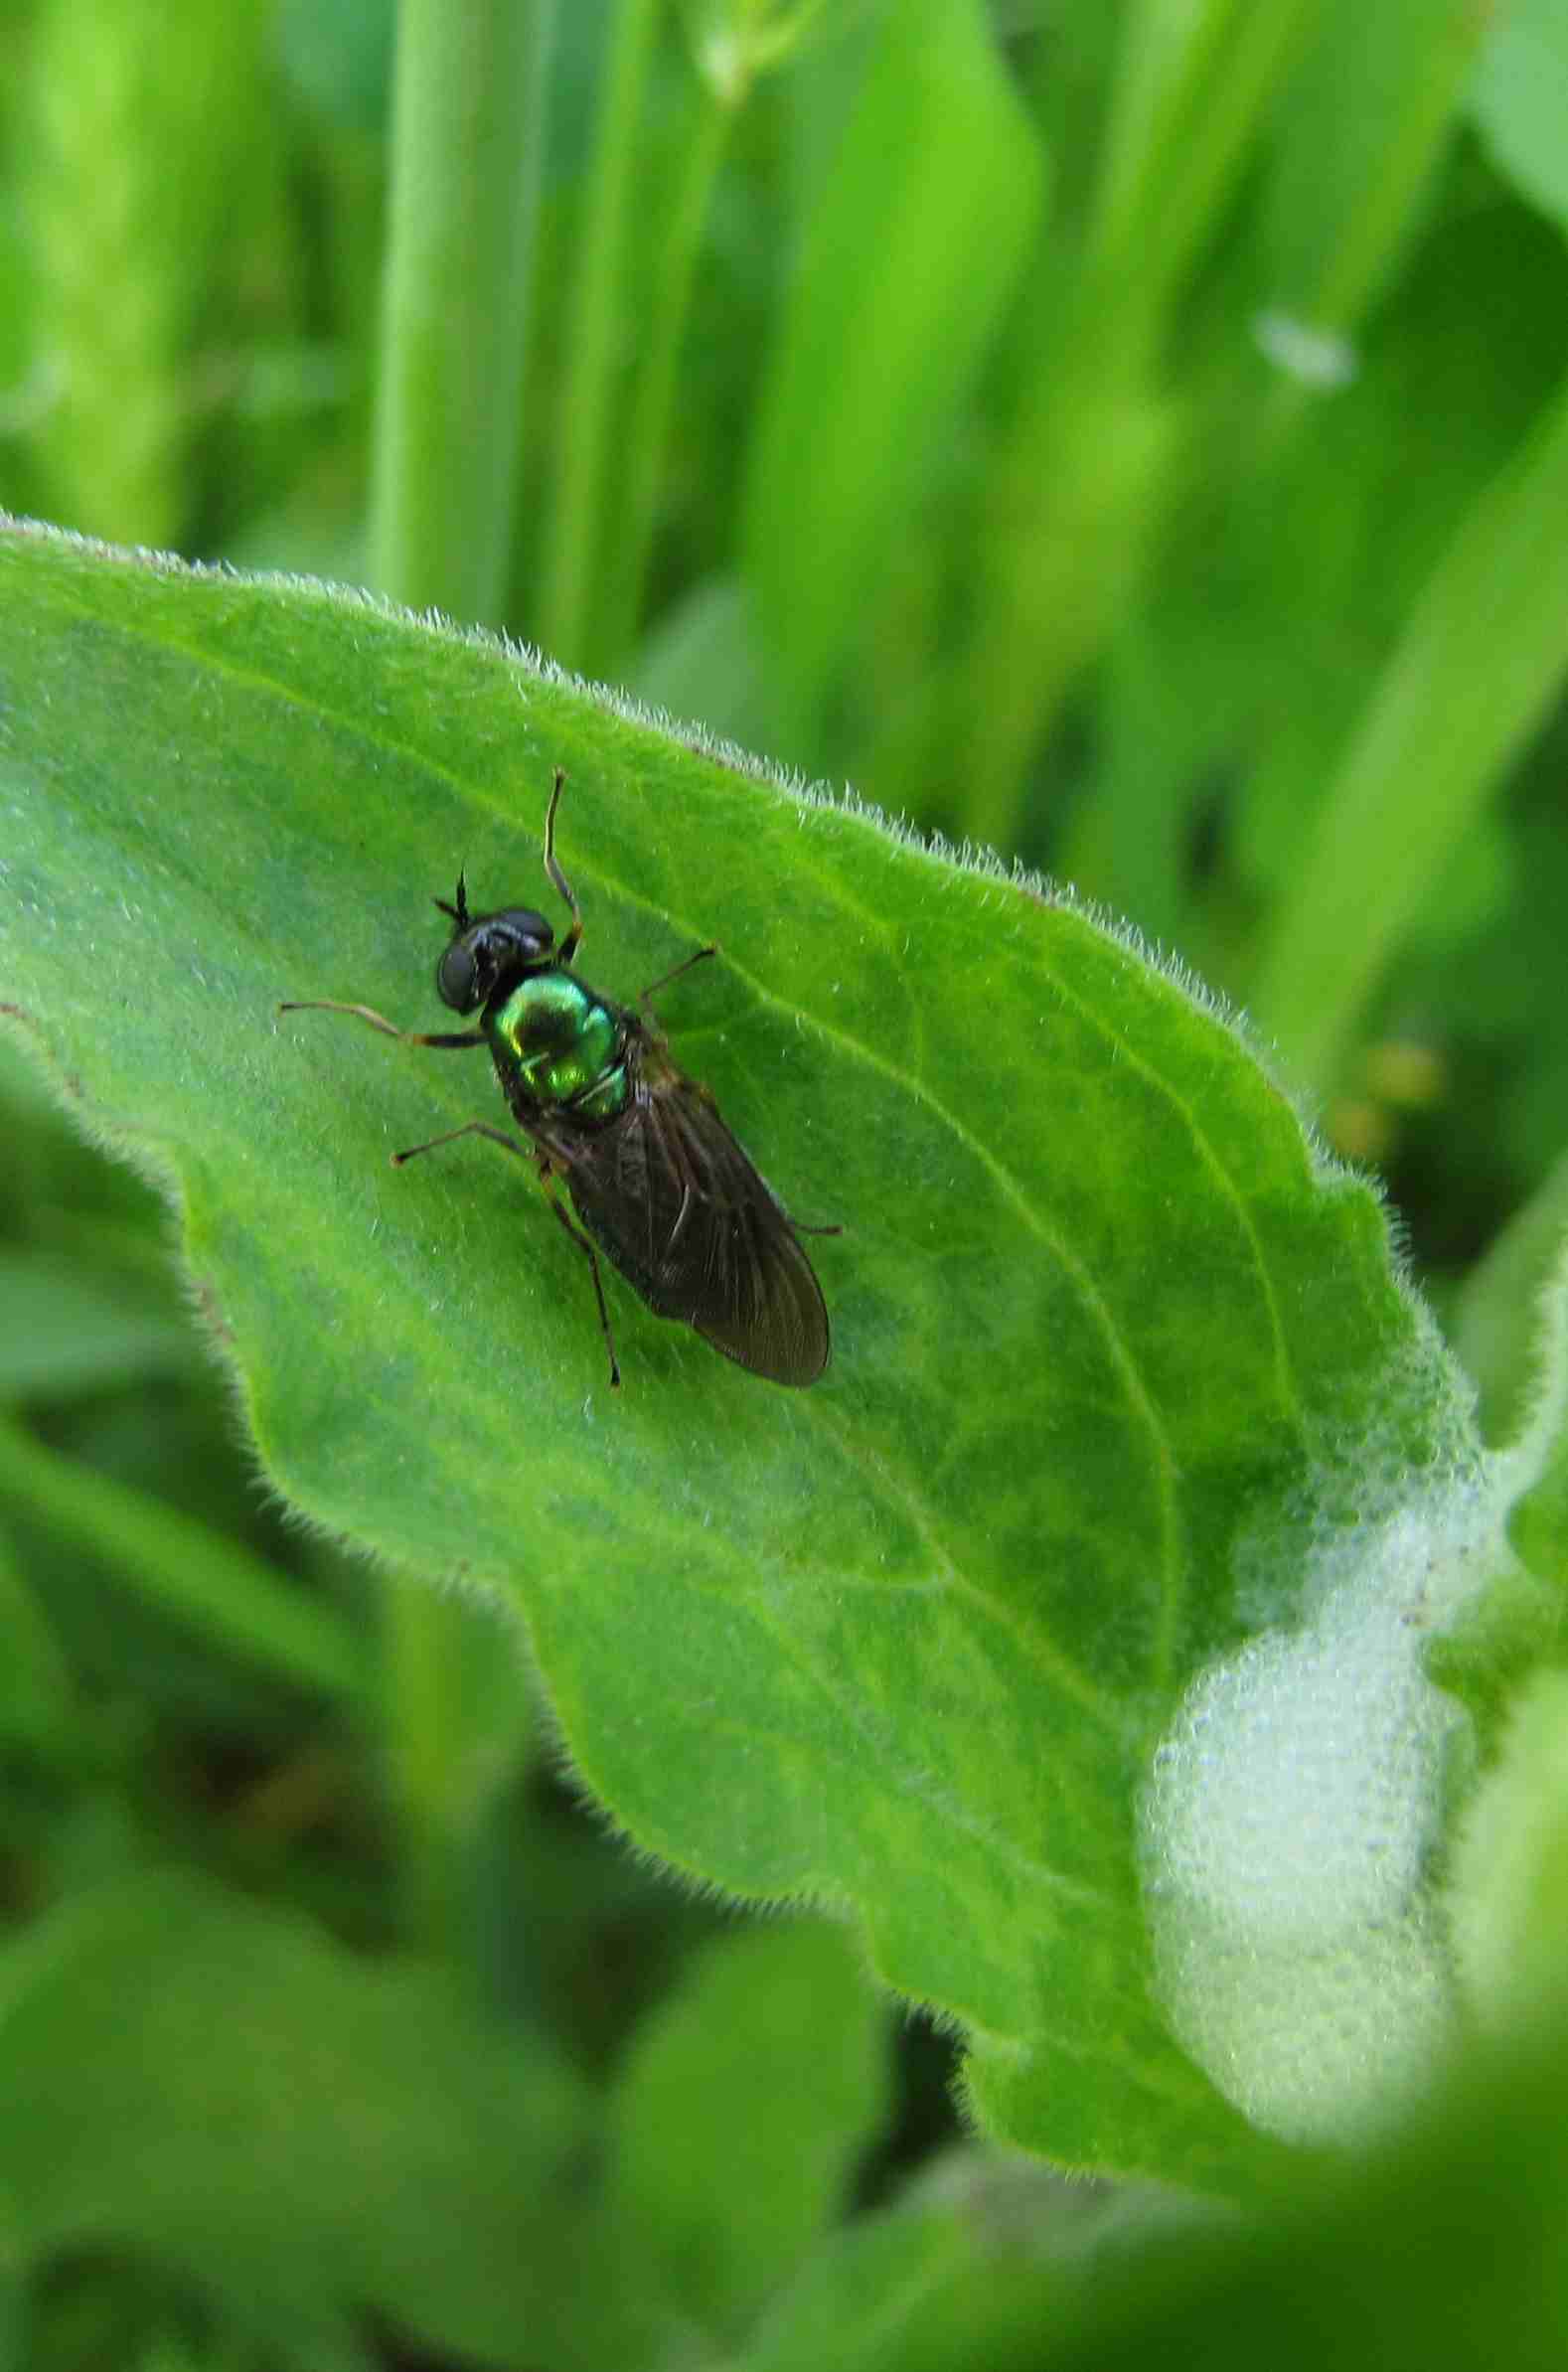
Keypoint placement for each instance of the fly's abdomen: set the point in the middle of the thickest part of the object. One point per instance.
(558, 1045)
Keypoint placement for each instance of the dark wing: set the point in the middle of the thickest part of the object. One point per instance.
(668, 1194)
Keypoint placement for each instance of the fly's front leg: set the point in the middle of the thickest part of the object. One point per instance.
(378, 1021)
(573, 939)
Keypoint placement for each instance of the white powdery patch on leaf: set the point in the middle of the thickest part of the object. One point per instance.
(1289, 1820)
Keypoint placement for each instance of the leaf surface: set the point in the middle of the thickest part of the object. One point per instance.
(1102, 1317)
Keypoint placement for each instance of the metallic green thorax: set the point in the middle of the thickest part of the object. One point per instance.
(560, 1047)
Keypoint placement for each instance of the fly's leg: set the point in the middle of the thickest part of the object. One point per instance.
(482, 1128)
(558, 882)
(573, 939)
(584, 1247)
(378, 1021)
(662, 982)
(470, 1128)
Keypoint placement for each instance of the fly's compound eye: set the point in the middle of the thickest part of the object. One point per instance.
(496, 949)
(455, 977)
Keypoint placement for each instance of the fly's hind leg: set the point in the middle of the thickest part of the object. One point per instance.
(662, 982)
(470, 1128)
(546, 1181)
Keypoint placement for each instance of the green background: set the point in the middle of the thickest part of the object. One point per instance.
(921, 397)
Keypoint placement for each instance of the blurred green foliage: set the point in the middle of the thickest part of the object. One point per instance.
(1132, 435)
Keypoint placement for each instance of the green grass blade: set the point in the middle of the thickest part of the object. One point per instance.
(1496, 1323)
(1482, 657)
(65, 1328)
(1194, 89)
(914, 248)
(623, 564)
(1080, 479)
(1360, 131)
(466, 155)
(1517, 102)
(184, 1569)
(596, 326)
(139, 154)
(38, 1696)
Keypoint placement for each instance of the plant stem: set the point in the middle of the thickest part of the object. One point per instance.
(466, 153)
(572, 549)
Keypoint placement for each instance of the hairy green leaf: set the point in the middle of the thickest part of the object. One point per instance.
(1115, 1349)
